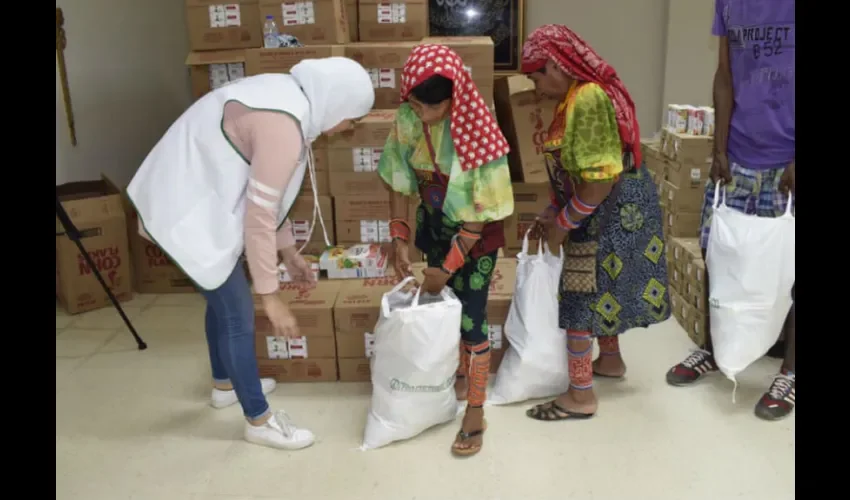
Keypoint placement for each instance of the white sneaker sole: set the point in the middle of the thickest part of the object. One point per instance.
(279, 446)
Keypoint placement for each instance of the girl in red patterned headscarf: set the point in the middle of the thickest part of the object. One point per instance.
(604, 208)
(446, 147)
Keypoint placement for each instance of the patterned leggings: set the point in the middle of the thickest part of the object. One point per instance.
(471, 284)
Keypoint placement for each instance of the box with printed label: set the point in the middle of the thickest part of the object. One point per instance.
(313, 311)
(259, 61)
(353, 159)
(682, 224)
(320, 160)
(687, 175)
(301, 217)
(529, 201)
(392, 20)
(97, 211)
(524, 118)
(356, 312)
(682, 199)
(362, 218)
(477, 53)
(310, 21)
(384, 62)
(210, 70)
(221, 26)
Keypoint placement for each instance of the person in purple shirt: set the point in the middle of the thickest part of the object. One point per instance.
(753, 151)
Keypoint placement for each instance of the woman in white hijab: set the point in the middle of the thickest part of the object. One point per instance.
(222, 180)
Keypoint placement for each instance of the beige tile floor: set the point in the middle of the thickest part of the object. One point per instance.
(136, 425)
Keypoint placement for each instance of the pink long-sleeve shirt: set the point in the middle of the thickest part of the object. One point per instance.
(272, 144)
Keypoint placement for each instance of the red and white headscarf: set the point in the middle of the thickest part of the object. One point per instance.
(577, 59)
(475, 131)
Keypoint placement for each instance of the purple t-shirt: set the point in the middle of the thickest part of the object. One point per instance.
(761, 38)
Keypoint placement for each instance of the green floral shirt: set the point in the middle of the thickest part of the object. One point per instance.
(482, 194)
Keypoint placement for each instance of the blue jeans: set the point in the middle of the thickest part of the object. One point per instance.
(230, 336)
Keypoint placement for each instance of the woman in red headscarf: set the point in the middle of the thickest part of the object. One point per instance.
(446, 147)
(605, 210)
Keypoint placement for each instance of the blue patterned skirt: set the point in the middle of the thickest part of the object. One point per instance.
(631, 272)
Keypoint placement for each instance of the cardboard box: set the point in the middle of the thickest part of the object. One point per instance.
(352, 15)
(301, 216)
(361, 218)
(529, 201)
(259, 61)
(362, 260)
(312, 22)
(353, 159)
(216, 26)
(401, 20)
(356, 312)
(211, 70)
(384, 62)
(152, 270)
(524, 118)
(477, 53)
(298, 370)
(310, 358)
(684, 199)
(96, 209)
(682, 224)
(686, 148)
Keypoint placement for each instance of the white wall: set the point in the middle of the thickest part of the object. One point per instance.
(629, 34)
(691, 53)
(127, 81)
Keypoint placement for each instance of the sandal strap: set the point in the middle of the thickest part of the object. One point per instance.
(469, 435)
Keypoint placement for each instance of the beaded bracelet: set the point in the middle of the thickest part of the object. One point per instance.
(399, 230)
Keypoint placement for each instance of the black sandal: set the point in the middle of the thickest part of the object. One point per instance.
(553, 412)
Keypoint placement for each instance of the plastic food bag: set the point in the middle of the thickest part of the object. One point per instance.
(413, 365)
(751, 266)
(535, 365)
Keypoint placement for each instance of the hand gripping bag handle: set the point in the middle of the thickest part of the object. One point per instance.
(525, 244)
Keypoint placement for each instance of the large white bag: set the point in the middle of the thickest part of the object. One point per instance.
(751, 266)
(413, 366)
(535, 365)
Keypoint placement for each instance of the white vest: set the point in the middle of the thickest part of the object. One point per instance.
(190, 190)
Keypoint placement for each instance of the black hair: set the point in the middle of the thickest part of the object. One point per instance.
(433, 91)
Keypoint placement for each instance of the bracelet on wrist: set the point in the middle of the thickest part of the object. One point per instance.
(399, 230)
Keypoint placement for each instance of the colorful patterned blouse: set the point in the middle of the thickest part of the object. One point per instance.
(584, 132)
(481, 194)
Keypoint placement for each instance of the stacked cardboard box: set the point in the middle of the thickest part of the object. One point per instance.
(688, 293)
(310, 358)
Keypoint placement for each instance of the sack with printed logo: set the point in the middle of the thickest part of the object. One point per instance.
(413, 365)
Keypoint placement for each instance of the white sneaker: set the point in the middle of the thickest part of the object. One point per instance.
(279, 432)
(222, 399)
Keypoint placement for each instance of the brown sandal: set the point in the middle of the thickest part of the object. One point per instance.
(553, 412)
(464, 436)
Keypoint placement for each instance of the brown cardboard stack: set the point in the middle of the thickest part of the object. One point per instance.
(96, 209)
(686, 275)
(311, 358)
(226, 39)
(680, 163)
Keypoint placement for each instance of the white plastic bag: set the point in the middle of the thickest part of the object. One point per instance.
(751, 266)
(535, 365)
(413, 365)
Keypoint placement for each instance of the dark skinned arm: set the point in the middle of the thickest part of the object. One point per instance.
(724, 98)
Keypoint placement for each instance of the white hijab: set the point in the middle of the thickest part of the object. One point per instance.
(337, 89)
